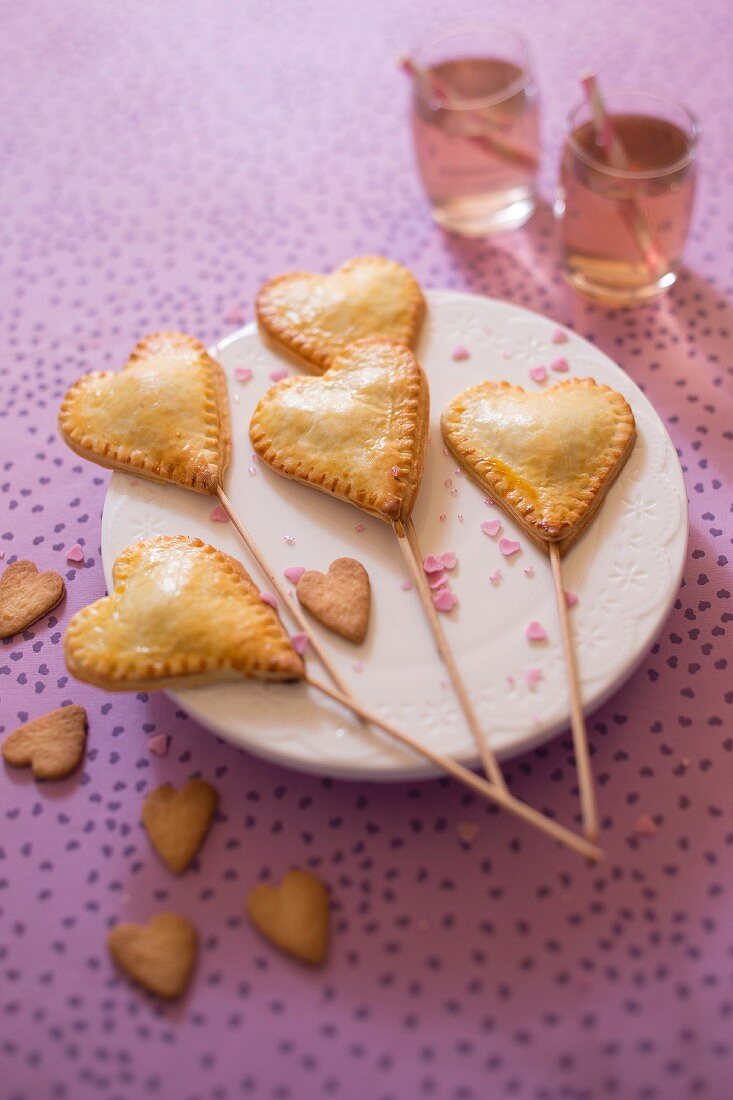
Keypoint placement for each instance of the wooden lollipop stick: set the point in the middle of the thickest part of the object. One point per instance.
(577, 721)
(464, 775)
(292, 607)
(408, 544)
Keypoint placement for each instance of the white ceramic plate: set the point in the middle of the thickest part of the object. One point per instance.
(626, 570)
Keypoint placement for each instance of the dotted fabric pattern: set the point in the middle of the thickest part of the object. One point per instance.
(158, 162)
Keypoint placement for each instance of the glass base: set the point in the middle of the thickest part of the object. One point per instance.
(618, 296)
(484, 215)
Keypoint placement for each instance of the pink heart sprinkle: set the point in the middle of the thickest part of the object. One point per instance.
(559, 336)
(459, 352)
(293, 573)
(489, 502)
(442, 517)
(359, 528)
(218, 515)
(289, 539)
(437, 580)
(448, 482)
(535, 632)
(279, 374)
(234, 317)
(509, 547)
(570, 599)
(300, 642)
(448, 559)
(561, 365)
(268, 598)
(467, 831)
(243, 374)
(158, 744)
(538, 374)
(405, 585)
(491, 527)
(533, 676)
(251, 471)
(511, 681)
(445, 600)
(495, 577)
(529, 571)
(395, 471)
(75, 553)
(431, 564)
(645, 825)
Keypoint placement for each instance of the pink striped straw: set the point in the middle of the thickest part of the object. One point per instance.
(617, 157)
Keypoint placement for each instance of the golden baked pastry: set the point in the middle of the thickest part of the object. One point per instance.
(548, 458)
(318, 316)
(181, 614)
(165, 416)
(359, 432)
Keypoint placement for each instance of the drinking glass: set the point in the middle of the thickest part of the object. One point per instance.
(475, 127)
(622, 229)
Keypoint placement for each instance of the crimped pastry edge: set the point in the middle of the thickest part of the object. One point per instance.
(610, 470)
(199, 674)
(310, 351)
(419, 403)
(189, 475)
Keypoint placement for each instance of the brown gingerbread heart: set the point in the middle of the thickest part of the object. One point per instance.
(178, 821)
(293, 915)
(26, 595)
(339, 599)
(159, 955)
(52, 745)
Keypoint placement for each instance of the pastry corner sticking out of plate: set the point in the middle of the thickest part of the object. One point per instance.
(164, 416)
(181, 614)
(317, 316)
(547, 458)
(359, 432)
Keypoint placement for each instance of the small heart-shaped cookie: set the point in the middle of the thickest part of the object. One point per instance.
(159, 955)
(26, 595)
(178, 821)
(52, 745)
(318, 316)
(164, 416)
(339, 599)
(359, 432)
(293, 915)
(548, 458)
(181, 614)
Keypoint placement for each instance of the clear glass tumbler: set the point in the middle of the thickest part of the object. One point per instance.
(476, 129)
(622, 229)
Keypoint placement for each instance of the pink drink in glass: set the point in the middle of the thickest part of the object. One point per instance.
(476, 128)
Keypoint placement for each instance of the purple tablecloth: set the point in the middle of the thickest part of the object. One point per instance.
(157, 162)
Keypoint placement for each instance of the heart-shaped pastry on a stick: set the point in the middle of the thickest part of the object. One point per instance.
(359, 432)
(293, 915)
(548, 458)
(318, 316)
(339, 599)
(165, 416)
(181, 614)
(159, 955)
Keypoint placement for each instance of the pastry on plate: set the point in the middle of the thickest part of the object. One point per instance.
(165, 416)
(358, 432)
(318, 316)
(547, 458)
(181, 614)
